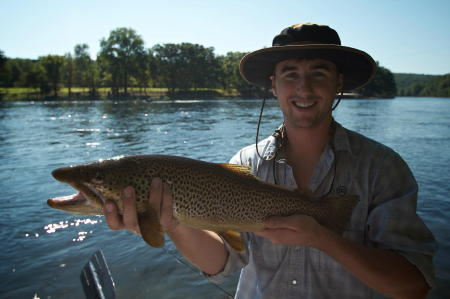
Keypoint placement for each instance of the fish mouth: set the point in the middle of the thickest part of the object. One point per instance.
(89, 201)
(68, 200)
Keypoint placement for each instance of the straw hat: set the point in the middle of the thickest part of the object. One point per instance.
(308, 40)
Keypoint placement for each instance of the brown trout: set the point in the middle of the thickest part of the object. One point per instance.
(224, 198)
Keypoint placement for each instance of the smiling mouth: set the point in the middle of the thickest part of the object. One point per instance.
(304, 105)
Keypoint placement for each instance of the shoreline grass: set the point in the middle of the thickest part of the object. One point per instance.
(103, 93)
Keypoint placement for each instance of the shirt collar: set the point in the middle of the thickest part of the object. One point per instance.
(340, 143)
(270, 150)
(340, 140)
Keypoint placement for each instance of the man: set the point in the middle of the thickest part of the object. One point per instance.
(386, 247)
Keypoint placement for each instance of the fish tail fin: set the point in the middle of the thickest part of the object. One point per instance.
(151, 228)
(233, 239)
(340, 210)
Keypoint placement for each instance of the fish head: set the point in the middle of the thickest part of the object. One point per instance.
(96, 182)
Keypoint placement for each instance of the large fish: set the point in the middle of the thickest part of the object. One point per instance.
(224, 198)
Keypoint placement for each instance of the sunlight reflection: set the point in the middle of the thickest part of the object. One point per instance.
(54, 227)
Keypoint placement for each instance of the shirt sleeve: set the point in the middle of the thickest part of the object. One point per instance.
(236, 260)
(393, 222)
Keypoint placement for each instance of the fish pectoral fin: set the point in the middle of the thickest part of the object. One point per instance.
(238, 169)
(151, 229)
(233, 239)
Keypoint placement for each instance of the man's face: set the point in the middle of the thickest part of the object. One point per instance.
(305, 89)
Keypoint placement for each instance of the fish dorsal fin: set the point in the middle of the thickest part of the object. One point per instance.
(238, 169)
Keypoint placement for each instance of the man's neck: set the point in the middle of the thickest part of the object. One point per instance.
(305, 145)
(303, 150)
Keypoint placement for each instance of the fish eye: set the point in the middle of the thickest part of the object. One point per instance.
(98, 178)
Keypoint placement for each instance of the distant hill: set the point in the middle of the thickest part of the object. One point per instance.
(420, 85)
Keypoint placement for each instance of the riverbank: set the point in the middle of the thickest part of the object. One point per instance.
(104, 93)
(147, 94)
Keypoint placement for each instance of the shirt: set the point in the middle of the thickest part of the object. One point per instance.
(385, 217)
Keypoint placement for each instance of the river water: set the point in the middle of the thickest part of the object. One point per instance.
(42, 250)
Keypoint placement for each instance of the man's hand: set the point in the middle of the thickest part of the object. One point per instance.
(160, 200)
(293, 230)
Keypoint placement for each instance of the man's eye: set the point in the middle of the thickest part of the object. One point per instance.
(319, 74)
(292, 75)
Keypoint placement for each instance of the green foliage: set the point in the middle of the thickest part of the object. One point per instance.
(82, 62)
(3, 72)
(120, 55)
(68, 72)
(381, 86)
(86, 71)
(53, 65)
(232, 79)
(14, 71)
(37, 78)
(185, 66)
(417, 85)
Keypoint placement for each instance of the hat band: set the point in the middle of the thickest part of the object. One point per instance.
(307, 43)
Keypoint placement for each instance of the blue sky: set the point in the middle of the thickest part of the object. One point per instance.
(410, 36)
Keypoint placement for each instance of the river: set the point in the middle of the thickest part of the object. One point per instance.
(43, 250)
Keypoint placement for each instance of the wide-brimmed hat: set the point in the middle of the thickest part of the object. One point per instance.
(308, 40)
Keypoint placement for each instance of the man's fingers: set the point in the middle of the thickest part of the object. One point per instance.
(166, 206)
(129, 209)
(156, 193)
(277, 222)
(168, 223)
(289, 222)
(113, 219)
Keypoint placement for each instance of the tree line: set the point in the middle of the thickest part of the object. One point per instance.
(418, 85)
(124, 62)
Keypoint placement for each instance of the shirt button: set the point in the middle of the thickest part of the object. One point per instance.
(294, 282)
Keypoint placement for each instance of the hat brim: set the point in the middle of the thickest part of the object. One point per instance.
(357, 66)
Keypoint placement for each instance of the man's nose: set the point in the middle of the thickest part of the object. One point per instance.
(304, 85)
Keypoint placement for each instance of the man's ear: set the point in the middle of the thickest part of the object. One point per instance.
(272, 79)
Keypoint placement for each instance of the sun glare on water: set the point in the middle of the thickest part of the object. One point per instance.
(76, 223)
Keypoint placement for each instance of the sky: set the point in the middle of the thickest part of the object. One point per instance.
(407, 36)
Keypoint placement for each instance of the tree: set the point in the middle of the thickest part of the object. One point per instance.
(169, 65)
(37, 78)
(82, 61)
(87, 72)
(68, 72)
(185, 66)
(53, 65)
(232, 79)
(437, 87)
(3, 72)
(203, 64)
(382, 85)
(143, 72)
(120, 54)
